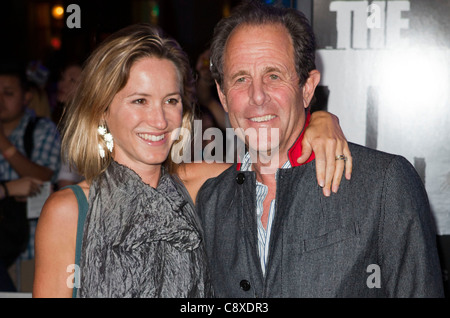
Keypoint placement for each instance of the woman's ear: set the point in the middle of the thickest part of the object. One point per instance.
(310, 86)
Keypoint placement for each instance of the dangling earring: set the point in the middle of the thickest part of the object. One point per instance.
(108, 140)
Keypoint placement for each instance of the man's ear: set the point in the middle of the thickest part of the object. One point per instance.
(223, 99)
(310, 86)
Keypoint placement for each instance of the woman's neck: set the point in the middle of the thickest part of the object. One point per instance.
(150, 174)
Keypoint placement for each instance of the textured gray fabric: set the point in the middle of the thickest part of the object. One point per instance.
(139, 241)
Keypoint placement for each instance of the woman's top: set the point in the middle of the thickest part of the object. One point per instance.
(139, 241)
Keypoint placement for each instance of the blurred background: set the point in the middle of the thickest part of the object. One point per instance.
(38, 29)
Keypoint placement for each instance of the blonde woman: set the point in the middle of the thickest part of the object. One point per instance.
(140, 236)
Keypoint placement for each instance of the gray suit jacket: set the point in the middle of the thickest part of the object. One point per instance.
(374, 238)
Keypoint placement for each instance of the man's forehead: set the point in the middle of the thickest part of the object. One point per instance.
(7, 80)
(266, 47)
(249, 36)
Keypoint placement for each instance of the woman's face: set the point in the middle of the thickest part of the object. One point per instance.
(144, 114)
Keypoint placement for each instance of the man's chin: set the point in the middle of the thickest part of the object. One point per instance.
(265, 154)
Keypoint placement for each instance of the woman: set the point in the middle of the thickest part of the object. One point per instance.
(141, 237)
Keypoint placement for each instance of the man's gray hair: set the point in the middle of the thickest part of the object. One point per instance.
(254, 12)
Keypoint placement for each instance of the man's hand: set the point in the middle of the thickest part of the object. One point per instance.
(325, 137)
(24, 187)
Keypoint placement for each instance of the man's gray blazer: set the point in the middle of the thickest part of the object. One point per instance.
(374, 238)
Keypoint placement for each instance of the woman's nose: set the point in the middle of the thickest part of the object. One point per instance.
(157, 118)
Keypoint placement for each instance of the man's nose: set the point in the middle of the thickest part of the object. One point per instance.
(257, 93)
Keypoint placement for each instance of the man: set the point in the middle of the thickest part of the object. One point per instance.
(43, 161)
(29, 155)
(269, 232)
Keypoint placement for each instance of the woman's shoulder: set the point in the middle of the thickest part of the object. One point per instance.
(55, 244)
(193, 175)
(62, 206)
(201, 171)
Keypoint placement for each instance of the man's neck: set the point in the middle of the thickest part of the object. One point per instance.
(9, 126)
(265, 167)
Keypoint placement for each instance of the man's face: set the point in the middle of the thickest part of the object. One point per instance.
(261, 86)
(12, 98)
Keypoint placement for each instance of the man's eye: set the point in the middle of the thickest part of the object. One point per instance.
(240, 80)
(172, 101)
(274, 77)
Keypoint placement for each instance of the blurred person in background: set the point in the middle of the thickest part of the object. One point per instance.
(65, 87)
(30, 152)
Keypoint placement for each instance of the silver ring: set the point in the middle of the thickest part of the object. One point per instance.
(341, 157)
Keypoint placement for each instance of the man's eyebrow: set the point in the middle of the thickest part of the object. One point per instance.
(239, 74)
(266, 70)
(269, 69)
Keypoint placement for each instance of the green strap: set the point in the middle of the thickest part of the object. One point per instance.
(82, 211)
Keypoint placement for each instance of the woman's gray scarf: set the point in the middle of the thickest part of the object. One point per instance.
(139, 241)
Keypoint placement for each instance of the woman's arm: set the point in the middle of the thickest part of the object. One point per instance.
(323, 136)
(55, 242)
(194, 175)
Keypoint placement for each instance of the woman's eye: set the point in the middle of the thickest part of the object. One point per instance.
(172, 101)
(139, 101)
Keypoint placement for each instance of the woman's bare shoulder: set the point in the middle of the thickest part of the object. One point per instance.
(55, 244)
(194, 175)
(202, 170)
(61, 207)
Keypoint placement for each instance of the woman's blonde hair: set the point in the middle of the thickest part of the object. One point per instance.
(104, 74)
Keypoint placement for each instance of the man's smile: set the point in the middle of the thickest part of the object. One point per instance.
(262, 118)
